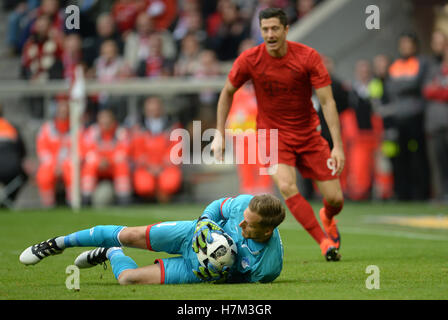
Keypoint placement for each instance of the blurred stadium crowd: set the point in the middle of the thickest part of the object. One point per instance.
(394, 115)
(394, 120)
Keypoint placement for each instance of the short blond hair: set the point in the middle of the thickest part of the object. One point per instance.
(269, 208)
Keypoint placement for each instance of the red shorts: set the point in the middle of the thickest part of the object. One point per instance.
(312, 160)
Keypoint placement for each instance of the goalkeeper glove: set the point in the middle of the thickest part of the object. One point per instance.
(211, 274)
(203, 235)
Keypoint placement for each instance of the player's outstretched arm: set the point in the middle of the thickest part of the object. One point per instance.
(224, 104)
(325, 96)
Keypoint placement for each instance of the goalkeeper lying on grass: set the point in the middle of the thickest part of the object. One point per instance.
(251, 221)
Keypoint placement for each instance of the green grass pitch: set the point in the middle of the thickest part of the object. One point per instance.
(413, 262)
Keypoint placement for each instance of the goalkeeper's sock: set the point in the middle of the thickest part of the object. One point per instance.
(304, 214)
(331, 211)
(99, 236)
(119, 261)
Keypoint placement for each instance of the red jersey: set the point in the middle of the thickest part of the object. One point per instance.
(283, 87)
(53, 142)
(125, 13)
(113, 144)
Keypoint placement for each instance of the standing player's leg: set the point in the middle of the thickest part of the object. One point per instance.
(333, 200)
(285, 179)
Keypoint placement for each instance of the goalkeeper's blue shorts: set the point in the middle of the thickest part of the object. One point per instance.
(174, 238)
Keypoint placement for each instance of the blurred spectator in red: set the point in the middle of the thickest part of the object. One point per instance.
(163, 13)
(156, 64)
(230, 32)
(155, 175)
(72, 54)
(53, 150)
(436, 124)
(125, 13)
(105, 30)
(51, 9)
(41, 56)
(41, 60)
(362, 131)
(106, 150)
(188, 59)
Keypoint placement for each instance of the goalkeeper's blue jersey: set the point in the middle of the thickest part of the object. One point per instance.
(256, 262)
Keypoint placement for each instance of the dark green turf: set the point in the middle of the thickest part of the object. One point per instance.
(413, 262)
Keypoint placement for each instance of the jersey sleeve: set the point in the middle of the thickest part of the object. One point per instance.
(217, 211)
(319, 75)
(239, 73)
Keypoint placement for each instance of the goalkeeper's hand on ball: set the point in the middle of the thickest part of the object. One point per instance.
(211, 274)
(203, 234)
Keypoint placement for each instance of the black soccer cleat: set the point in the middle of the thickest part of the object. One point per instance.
(332, 254)
(91, 258)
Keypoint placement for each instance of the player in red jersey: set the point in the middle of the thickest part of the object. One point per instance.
(284, 74)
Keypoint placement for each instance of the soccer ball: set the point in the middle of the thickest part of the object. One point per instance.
(221, 252)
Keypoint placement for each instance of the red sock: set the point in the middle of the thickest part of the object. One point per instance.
(331, 211)
(304, 214)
